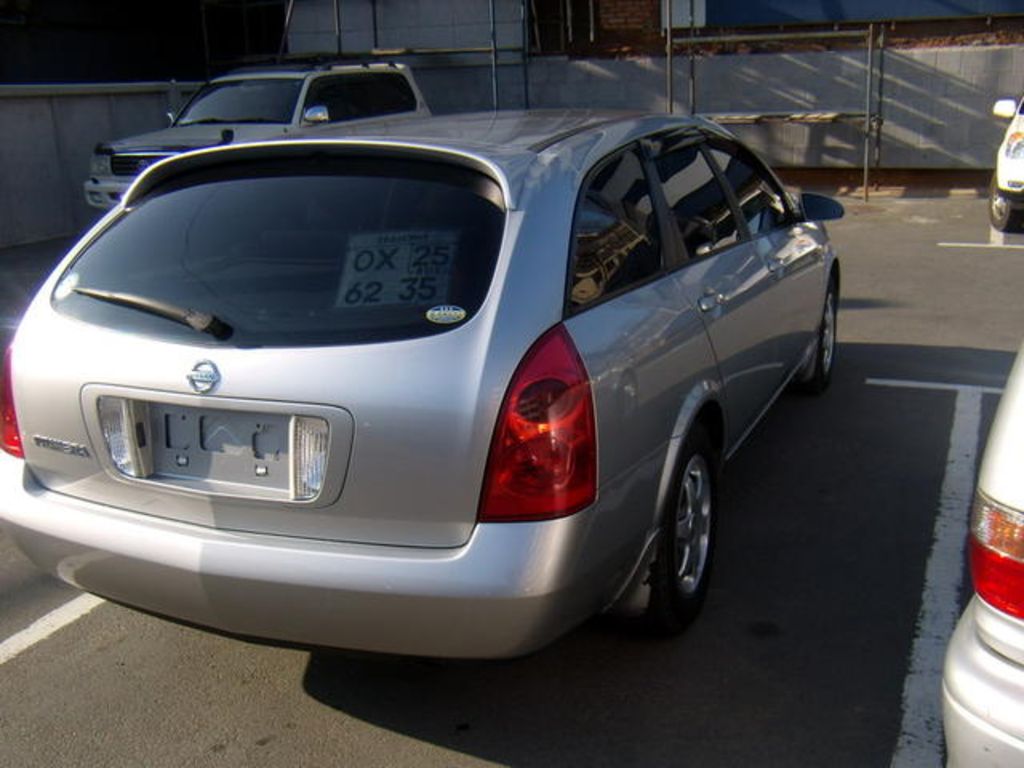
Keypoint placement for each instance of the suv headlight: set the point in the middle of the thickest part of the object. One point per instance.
(100, 165)
(1015, 146)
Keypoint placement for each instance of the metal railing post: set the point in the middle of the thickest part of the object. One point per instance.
(669, 98)
(337, 26)
(880, 101)
(525, 11)
(287, 27)
(693, 63)
(494, 57)
(868, 98)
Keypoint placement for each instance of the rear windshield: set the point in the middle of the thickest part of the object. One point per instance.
(298, 253)
(243, 101)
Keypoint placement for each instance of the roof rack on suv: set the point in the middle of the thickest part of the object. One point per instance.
(318, 64)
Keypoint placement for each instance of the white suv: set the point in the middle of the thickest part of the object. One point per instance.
(1006, 194)
(251, 105)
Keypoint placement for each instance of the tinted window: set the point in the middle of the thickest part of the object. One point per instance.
(616, 236)
(760, 200)
(361, 95)
(698, 203)
(243, 101)
(302, 253)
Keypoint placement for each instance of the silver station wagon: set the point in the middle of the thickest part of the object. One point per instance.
(446, 388)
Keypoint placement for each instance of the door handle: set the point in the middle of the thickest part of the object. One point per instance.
(710, 300)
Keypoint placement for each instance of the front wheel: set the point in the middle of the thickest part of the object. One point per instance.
(1001, 214)
(682, 568)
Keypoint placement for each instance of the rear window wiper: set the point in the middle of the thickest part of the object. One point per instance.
(204, 322)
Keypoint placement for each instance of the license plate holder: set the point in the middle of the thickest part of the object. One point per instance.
(221, 446)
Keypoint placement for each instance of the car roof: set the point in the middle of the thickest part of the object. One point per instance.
(496, 133)
(300, 71)
(510, 137)
(507, 144)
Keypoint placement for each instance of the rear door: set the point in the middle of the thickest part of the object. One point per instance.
(639, 335)
(723, 275)
(793, 251)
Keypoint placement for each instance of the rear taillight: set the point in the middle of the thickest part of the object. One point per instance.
(997, 555)
(10, 437)
(543, 459)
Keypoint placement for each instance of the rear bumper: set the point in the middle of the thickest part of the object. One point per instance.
(105, 192)
(983, 695)
(509, 590)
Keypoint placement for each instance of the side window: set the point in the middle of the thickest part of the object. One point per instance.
(349, 97)
(761, 201)
(699, 205)
(616, 242)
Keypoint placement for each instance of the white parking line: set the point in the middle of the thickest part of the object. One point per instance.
(996, 239)
(52, 622)
(939, 385)
(920, 741)
(997, 246)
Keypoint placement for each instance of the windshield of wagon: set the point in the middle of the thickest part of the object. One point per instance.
(243, 101)
(295, 252)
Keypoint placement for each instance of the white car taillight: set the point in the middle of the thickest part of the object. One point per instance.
(10, 437)
(309, 442)
(997, 555)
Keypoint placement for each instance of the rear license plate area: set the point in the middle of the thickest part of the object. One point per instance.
(221, 447)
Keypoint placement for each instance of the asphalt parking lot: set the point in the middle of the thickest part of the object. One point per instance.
(820, 643)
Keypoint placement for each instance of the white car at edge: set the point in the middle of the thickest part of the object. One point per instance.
(983, 680)
(1006, 193)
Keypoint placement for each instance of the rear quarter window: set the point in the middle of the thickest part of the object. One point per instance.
(299, 253)
(616, 245)
(352, 96)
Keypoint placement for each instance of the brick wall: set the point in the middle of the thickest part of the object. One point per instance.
(628, 14)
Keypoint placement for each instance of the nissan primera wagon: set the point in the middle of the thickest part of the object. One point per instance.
(447, 388)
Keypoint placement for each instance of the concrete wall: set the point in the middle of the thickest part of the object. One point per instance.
(937, 111)
(46, 138)
(936, 103)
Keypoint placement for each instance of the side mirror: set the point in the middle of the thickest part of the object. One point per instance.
(316, 115)
(170, 118)
(820, 207)
(1005, 108)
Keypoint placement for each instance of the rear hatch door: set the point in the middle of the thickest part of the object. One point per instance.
(284, 346)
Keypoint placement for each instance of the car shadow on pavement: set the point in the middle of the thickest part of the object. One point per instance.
(801, 651)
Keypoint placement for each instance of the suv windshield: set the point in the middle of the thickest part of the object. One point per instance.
(243, 101)
(303, 252)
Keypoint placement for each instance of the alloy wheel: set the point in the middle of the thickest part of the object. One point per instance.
(693, 524)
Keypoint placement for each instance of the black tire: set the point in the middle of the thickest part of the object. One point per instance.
(681, 569)
(1001, 214)
(818, 378)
